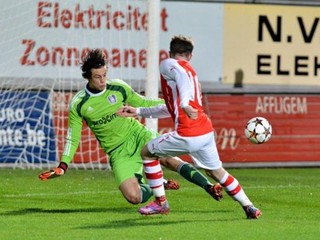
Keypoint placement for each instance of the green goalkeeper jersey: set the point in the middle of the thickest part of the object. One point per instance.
(99, 112)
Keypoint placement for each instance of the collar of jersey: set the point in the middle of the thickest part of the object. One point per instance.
(95, 94)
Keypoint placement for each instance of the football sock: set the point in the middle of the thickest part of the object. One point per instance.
(161, 199)
(154, 175)
(193, 175)
(234, 189)
(146, 192)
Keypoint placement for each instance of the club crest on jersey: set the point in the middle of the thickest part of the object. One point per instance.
(112, 99)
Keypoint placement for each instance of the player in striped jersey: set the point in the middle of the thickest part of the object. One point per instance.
(193, 132)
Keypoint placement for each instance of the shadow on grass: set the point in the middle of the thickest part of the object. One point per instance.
(27, 211)
(143, 221)
(154, 220)
(125, 210)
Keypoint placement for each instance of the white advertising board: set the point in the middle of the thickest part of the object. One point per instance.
(258, 44)
(46, 39)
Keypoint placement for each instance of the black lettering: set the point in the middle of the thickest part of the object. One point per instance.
(264, 22)
(279, 70)
(261, 64)
(298, 65)
(316, 66)
(104, 120)
(308, 37)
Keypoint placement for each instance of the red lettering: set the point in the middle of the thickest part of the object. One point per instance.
(55, 52)
(108, 17)
(79, 17)
(66, 18)
(164, 16)
(143, 58)
(163, 55)
(116, 57)
(91, 16)
(136, 15)
(86, 50)
(56, 15)
(129, 18)
(116, 24)
(42, 56)
(144, 22)
(50, 15)
(42, 13)
(127, 54)
(100, 14)
(30, 45)
(71, 56)
(105, 53)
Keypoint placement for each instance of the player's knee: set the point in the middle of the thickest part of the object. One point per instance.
(146, 155)
(133, 197)
(171, 163)
(216, 174)
(164, 162)
(130, 190)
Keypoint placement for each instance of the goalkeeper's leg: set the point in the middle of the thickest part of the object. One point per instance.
(135, 192)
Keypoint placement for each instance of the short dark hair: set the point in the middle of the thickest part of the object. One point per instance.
(95, 58)
(181, 44)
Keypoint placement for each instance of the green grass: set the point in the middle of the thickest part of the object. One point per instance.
(88, 205)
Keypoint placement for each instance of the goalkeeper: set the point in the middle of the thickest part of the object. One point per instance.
(120, 137)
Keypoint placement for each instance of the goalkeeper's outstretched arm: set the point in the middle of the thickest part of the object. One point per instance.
(53, 173)
(72, 142)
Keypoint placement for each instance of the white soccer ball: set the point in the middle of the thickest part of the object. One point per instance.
(258, 130)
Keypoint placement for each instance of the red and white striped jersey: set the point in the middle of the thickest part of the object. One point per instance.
(180, 88)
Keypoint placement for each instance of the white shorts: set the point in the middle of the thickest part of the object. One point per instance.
(202, 149)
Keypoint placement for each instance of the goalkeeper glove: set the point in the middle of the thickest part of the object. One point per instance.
(53, 173)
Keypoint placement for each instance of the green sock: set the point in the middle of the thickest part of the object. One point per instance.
(146, 192)
(193, 175)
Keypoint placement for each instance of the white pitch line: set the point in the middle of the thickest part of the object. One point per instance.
(283, 186)
(114, 191)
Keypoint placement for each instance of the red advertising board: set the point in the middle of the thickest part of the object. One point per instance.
(295, 119)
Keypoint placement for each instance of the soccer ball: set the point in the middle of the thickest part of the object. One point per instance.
(258, 130)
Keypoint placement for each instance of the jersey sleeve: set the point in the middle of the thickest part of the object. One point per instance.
(136, 100)
(171, 70)
(159, 111)
(73, 134)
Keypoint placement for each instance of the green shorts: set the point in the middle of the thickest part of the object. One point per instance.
(126, 160)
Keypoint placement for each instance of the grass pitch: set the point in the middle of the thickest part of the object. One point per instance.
(87, 205)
